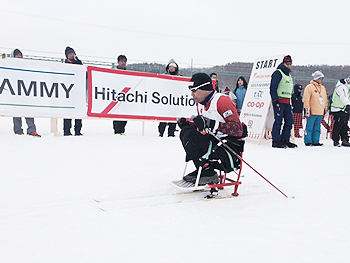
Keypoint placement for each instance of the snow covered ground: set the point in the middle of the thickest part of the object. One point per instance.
(48, 213)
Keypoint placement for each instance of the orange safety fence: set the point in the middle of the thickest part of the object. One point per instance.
(300, 124)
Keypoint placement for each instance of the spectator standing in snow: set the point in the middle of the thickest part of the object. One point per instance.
(229, 93)
(71, 58)
(172, 68)
(217, 112)
(240, 91)
(17, 121)
(215, 81)
(281, 88)
(315, 103)
(340, 109)
(298, 106)
(119, 126)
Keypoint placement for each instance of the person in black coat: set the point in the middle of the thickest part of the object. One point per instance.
(72, 58)
(281, 91)
(298, 106)
(171, 69)
(119, 126)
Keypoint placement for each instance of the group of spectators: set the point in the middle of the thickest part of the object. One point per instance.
(286, 100)
(314, 103)
(172, 68)
(237, 95)
(118, 126)
(71, 58)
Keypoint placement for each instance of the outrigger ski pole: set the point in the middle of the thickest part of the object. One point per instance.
(239, 157)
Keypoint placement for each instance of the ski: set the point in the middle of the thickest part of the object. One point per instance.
(154, 201)
(215, 197)
(148, 195)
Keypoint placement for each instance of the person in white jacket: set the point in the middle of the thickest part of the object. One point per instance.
(229, 93)
(340, 108)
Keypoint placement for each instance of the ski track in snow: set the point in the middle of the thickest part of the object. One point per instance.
(48, 214)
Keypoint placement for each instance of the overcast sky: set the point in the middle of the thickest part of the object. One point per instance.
(206, 32)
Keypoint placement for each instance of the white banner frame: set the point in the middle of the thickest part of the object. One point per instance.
(131, 95)
(258, 100)
(32, 88)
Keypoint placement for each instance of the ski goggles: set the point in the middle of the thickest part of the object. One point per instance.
(194, 89)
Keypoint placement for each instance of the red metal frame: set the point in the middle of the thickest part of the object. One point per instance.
(90, 69)
(225, 181)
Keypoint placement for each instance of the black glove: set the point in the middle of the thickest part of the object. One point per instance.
(276, 105)
(347, 109)
(182, 122)
(200, 122)
(245, 130)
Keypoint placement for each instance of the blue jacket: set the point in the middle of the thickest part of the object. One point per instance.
(240, 94)
(275, 80)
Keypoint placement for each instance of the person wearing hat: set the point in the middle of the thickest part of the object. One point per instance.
(229, 93)
(119, 126)
(17, 121)
(340, 108)
(172, 68)
(281, 89)
(298, 107)
(216, 112)
(315, 104)
(71, 58)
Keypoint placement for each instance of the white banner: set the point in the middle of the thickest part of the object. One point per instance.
(122, 94)
(31, 88)
(257, 100)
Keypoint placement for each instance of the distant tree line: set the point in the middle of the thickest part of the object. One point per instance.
(229, 73)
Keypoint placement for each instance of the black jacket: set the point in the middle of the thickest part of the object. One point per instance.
(76, 60)
(176, 72)
(297, 100)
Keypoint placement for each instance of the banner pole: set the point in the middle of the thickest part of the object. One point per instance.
(54, 126)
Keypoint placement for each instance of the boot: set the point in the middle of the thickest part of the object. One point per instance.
(290, 144)
(278, 144)
(35, 134)
(345, 143)
(191, 177)
(209, 179)
(336, 143)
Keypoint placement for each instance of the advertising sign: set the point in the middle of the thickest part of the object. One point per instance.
(257, 100)
(31, 88)
(122, 94)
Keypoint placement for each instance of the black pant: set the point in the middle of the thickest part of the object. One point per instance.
(67, 125)
(340, 128)
(119, 126)
(194, 143)
(197, 145)
(171, 129)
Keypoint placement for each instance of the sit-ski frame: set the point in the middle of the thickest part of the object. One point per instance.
(224, 181)
(223, 178)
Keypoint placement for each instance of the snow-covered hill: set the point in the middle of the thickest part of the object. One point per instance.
(48, 213)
